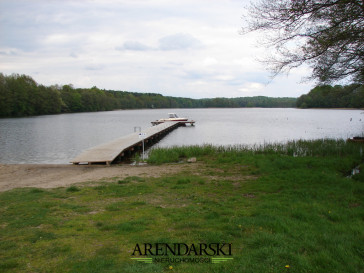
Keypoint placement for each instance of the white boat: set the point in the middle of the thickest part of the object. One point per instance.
(172, 117)
(175, 118)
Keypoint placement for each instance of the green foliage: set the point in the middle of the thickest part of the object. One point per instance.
(326, 96)
(257, 101)
(20, 96)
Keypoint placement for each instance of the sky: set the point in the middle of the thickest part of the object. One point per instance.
(181, 48)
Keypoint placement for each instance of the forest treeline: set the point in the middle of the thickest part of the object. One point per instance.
(20, 96)
(327, 96)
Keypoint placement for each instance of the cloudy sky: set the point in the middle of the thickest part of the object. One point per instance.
(184, 48)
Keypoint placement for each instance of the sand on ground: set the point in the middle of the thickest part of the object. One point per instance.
(53, 176)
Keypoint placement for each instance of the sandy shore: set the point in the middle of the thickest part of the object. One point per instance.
(52, 176)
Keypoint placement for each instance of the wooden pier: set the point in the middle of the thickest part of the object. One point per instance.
(114, 150)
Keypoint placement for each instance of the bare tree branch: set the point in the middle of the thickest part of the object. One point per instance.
(328, 35)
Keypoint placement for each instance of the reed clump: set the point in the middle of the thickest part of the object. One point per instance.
(296, 148)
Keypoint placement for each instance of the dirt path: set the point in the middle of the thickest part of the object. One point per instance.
(52, 176)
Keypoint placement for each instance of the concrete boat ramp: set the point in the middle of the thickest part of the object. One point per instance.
(116, 149)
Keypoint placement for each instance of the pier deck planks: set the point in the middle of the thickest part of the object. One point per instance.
(106, 153)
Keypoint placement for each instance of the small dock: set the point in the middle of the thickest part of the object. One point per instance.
(116, 149)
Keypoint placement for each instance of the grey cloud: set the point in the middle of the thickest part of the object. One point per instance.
(9, 53)
(93, 67)
(73, 55)
(26, 24)
(257, 77)
(133, 45)
(197, 75)
(236, 79)
(172, 42)
(178, 42)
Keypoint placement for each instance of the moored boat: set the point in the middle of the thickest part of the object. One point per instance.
(356, 139)
(172, 117)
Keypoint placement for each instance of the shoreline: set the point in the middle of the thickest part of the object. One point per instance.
(63, 175)
(139, 109)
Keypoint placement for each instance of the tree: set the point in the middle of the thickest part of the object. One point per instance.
(328, 35)
(326, 96)
(6, 99)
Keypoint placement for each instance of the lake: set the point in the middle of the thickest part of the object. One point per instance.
(59, 138)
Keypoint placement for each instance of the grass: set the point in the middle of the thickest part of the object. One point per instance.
(284, 208)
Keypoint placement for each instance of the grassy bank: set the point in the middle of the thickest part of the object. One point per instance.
(284, 208)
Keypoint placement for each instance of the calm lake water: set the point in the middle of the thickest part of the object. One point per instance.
(59, 138)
